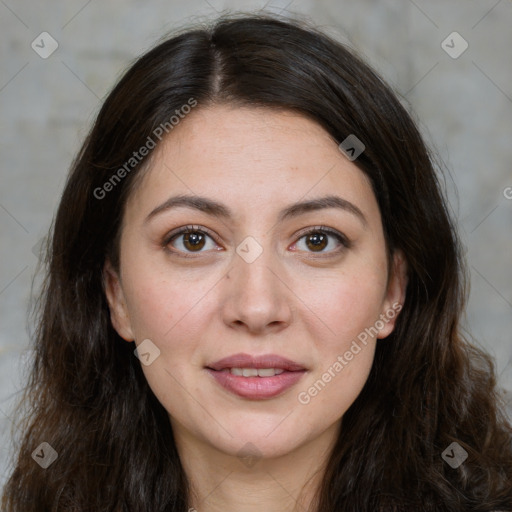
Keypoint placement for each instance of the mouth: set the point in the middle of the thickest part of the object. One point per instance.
(256, 377)
(253, 372)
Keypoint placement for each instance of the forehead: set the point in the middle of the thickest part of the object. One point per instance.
(247, 137)
(249, 156)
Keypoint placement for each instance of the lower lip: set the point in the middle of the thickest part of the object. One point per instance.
(256, 388)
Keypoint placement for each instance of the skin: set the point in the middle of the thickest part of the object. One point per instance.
(305, 305)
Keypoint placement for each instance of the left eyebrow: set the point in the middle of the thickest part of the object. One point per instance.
(322, 202)
(220, 210)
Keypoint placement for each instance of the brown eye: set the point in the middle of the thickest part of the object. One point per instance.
(316, 241)
(190, 240)
(193, 241)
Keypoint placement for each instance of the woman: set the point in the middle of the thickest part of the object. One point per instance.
(257, 213)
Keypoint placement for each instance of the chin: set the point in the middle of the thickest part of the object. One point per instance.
(249, 442)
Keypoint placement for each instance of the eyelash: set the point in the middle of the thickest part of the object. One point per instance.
(342, 239)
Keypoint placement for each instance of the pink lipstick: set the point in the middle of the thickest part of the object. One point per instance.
(256, 377)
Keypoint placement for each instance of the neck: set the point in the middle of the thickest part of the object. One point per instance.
(220, 482)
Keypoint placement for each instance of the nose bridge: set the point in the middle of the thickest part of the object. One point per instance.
(252, 268)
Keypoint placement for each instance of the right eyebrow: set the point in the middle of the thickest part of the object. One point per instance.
(203, 204)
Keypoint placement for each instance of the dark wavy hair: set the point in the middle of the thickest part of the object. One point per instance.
(428, 387)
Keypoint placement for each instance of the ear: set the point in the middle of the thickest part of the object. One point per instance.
(395, 294)
(116, 302)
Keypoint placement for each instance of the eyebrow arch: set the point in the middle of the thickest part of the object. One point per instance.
(216, 209)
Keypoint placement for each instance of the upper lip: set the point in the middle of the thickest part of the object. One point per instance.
(263, 361)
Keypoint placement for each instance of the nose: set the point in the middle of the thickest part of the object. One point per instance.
(256, 298)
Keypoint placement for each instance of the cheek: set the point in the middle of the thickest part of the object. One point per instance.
(333, 391)
(160, 302)
(345, 356)
(346, 304)
(172, 314)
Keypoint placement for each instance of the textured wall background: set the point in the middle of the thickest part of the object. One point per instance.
(462, 97)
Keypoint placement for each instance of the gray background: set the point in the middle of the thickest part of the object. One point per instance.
(464, 107)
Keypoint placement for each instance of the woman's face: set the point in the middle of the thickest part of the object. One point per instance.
(285, 260)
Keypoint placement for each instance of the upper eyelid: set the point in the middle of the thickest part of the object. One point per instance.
(325, 229)
(182, 230)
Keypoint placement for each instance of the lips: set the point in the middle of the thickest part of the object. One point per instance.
(257, 362)
(256, 377)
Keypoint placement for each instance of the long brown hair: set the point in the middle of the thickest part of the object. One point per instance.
(87, 396)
